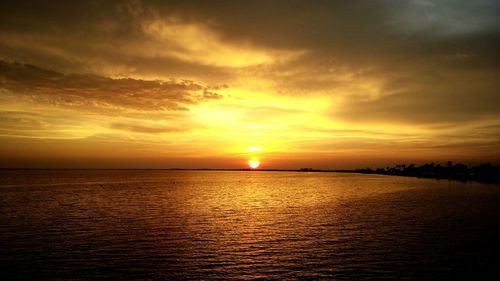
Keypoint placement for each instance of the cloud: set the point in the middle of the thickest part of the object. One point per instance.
(362, 75)
(447, 97)
(127, 39)
(448, 18)
(98, 93)
(144, 128)
(195, 42)
(43, 124)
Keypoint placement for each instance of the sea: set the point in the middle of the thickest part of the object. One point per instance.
(245, 225)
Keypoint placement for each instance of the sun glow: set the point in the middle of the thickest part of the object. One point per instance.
(254, 164)
(254, 149)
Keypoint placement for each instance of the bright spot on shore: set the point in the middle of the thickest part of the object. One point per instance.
(254, 164)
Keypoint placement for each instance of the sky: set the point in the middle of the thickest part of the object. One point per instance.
(214, 84)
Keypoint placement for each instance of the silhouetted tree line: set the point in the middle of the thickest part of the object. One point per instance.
(484, 172)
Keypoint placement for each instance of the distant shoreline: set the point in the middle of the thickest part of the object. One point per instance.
(493, 177)
(175, 169)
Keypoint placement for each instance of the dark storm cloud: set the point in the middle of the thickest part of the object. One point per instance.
(97, 92)
(352, 28)
(352, 32)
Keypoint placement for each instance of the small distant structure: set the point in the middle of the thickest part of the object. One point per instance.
(306, 170)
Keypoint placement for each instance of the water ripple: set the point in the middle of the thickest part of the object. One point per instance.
(244, 225)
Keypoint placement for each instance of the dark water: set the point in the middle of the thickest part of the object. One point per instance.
(245, 225)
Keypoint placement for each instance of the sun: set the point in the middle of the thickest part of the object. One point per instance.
(254, 164)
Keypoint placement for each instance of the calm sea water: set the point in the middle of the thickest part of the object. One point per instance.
(245, 225)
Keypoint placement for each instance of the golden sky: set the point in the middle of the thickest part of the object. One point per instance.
(195, 84)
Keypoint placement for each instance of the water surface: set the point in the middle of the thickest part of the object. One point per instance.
(245, 225)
